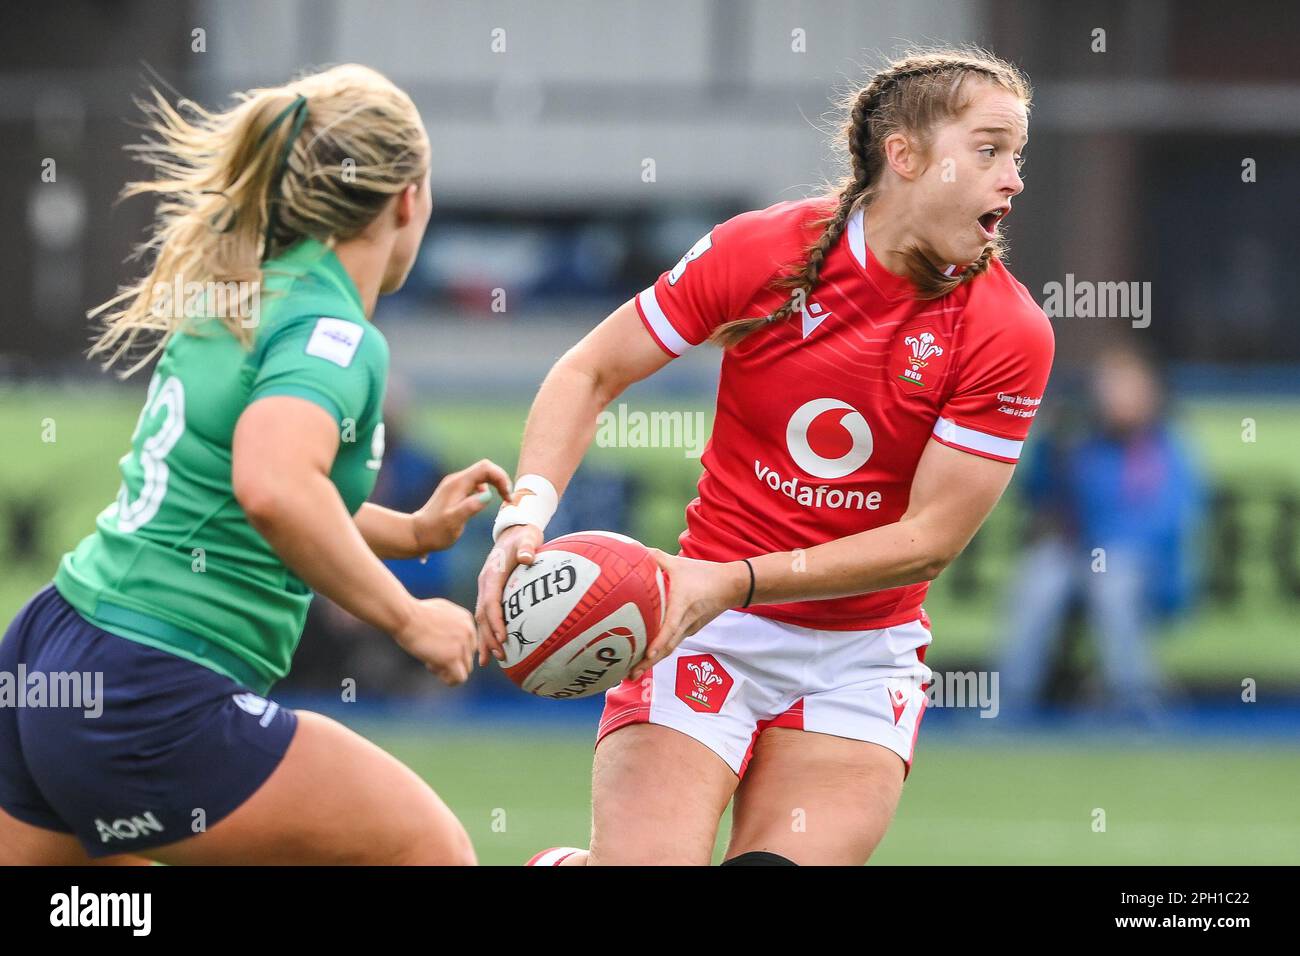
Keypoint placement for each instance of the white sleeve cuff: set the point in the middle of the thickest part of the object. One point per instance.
(668, 336)
(968, 439)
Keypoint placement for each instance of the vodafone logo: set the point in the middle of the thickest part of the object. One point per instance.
(828, 439)
(796, 439)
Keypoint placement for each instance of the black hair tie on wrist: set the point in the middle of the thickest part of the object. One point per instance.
(750, 596)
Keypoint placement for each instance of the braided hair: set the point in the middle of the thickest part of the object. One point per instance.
(912, 94)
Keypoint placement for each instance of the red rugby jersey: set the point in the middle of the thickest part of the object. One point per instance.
(821, 419)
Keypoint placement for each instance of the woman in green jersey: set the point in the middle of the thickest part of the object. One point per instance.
(280, 223)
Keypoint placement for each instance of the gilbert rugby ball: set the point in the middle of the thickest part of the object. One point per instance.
(580, 617)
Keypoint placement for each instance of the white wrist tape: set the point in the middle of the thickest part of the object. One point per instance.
(535, 509)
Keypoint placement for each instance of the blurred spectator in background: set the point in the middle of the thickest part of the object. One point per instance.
(1115, 506)
(335, 644)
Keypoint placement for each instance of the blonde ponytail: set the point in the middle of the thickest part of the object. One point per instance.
(317, 157)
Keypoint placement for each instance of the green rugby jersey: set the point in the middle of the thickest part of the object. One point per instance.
(173, 562)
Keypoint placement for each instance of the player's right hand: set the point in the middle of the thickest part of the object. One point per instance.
(440, 635)
(517, 545)
(458, 497)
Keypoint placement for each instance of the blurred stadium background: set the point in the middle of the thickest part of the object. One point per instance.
(580, 149)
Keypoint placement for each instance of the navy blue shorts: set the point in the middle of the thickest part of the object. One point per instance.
(163, 751)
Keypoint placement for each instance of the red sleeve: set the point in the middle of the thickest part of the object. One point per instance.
(719, 275)
(1003, 373)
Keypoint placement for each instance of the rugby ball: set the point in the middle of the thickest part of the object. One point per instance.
(580, 617)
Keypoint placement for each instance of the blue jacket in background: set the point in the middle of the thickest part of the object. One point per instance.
(1142, 495)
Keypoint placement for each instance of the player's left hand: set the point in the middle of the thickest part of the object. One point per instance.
(698, 591)
(458, 497)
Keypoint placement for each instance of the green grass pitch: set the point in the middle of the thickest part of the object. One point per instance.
(1022, 802)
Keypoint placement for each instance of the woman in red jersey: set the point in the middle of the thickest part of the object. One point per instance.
(880, 374)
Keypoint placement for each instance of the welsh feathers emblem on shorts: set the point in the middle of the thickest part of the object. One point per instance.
(702, 683)
(918, 359)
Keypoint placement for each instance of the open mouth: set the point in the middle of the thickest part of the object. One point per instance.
(989, 221)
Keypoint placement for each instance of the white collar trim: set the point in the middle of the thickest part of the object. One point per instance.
(858, 241)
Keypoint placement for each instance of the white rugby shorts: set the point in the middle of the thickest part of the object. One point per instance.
(742, 673)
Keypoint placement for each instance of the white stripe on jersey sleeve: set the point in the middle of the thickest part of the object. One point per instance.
(948, 430)
(659, 322)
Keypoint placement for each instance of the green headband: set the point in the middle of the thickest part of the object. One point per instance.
(299, 108)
